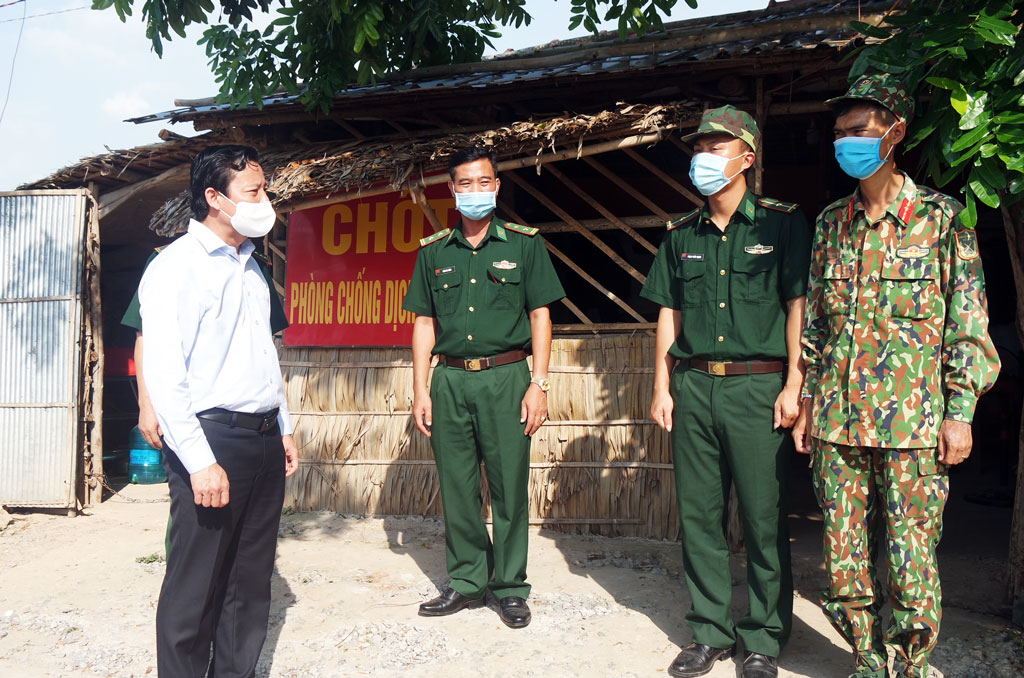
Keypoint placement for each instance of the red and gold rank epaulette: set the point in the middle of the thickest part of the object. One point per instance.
(686, 218)
(434, 238)
(778, 205)
(519, 228)
(263, 257)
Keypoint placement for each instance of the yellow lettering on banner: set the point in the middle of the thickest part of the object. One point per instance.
(407, 226)
(293, 302)
(393, 311)
(335, 217)
(378, 227)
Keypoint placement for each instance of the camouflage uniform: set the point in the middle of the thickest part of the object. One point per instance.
(895, 340)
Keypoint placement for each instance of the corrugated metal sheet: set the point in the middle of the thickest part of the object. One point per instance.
(40, 327)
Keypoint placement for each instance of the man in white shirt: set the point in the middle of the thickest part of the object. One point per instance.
(211, 368)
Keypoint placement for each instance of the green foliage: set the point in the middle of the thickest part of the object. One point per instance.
(316, 48)
(151, 558)
(965, 58)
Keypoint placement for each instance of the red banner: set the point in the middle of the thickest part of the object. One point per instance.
(349, 266)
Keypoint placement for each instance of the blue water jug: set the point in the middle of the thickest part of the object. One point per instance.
(145, 465)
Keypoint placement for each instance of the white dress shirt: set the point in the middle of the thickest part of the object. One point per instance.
(207, 342)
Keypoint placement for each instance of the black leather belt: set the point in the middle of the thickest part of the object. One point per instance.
(477, 364)
(727, 368)
(254, 421)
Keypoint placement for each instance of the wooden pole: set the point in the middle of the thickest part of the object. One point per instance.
(515, 163)
(593, 202)
(579, 271)
(761, 120)
(658, 172)
(559, 212)
(420, 198)
(94, 357)
(628, 188)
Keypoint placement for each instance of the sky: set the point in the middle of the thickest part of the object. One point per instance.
(76, 74)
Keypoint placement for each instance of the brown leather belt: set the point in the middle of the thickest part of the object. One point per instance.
(477, 364)
(728, 368)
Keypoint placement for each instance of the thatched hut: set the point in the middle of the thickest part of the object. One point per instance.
(588, 136)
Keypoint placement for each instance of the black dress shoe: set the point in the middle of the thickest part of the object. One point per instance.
(449, 602)
(514, 611)
(697, 659)
(760, 666)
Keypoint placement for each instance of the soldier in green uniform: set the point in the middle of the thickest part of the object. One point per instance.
(730, 278)
(480, 293)
(148, 424)
(897, 352)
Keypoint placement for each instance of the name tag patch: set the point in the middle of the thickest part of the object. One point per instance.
(913, 252)
(759, 249)
(504, 265)
(442, 271)
(691, 257)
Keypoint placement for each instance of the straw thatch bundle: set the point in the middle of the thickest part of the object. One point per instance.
(598, 465)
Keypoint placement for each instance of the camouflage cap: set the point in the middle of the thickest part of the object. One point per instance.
(728, 120)
(884, 89)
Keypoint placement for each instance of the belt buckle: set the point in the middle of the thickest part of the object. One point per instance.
(474, 364)
(718, 368)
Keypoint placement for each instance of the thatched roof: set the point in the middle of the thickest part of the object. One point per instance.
(299, 172)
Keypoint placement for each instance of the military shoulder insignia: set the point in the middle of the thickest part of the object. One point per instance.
(913, 252)
(433, 238)
(759, 249)
(160, 249)
(778, 205)
(519, 228)
(906, 210)
(688, 217)
(263, 258)
(967, 244)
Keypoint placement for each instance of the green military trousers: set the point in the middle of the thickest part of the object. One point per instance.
(861, 489)
(476, 417)
(721, 434)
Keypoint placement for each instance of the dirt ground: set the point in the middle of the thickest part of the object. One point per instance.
(77, 598)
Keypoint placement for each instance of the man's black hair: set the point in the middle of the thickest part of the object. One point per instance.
(845, 106)
(213, 168)
(469, 154)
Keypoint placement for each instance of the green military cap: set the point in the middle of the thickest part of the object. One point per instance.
(884, 89)
(728, 120)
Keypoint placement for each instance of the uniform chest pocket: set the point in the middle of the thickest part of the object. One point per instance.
(910, 288)
(447, 290)
(505, 289)
(756, 275)
(691, 279)
(837, 288)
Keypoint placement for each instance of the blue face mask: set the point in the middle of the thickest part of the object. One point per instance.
(860, 156)
(707, 172)
(476, 206)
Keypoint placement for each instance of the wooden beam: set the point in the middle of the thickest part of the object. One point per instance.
(657, 171)
(111, 201)
(760, 117)
(682, 145)
(567, 218)
(576, 311)
(579, 271)
(515, 163)
(593, 202)
(345, 125)
(420, 198)
(649, 221)
(628, 188)
(604, 327)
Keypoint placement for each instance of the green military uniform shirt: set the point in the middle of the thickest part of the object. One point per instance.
(732, 286)
(480, 297)
(896, 336)
(278, 319)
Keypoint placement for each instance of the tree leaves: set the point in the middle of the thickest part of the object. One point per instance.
(967, 58)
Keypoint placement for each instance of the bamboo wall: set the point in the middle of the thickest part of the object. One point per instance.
(599, 464)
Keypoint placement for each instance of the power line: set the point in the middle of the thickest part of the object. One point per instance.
(8, 4)
(14, 60)
(36, 16)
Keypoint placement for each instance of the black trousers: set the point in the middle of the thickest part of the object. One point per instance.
(216, 590)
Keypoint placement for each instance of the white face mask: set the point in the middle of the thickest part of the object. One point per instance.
(252, 219)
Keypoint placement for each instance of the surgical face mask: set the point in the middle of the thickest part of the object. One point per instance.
(707, 172)
(859, 156)
(476, 206)
(252, 219)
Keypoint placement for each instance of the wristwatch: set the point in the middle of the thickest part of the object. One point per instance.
(543, 382)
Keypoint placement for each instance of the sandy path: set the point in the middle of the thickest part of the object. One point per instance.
(74, 602)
